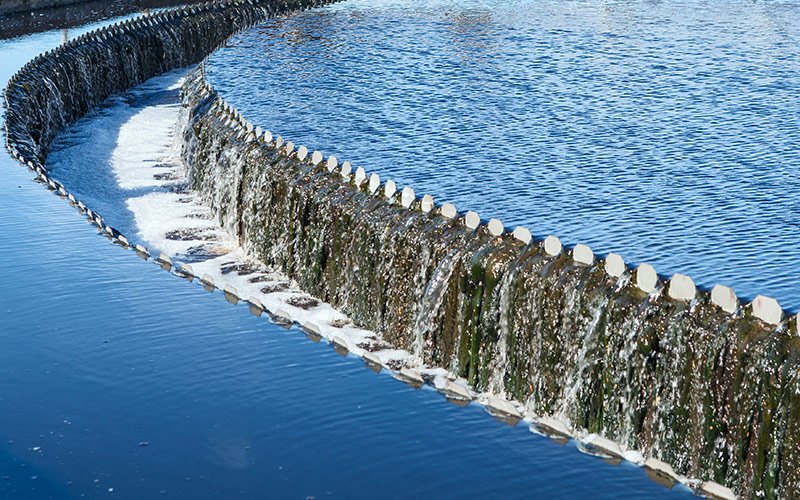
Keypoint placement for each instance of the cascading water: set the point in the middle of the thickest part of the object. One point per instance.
(713, 394)
(431, 305)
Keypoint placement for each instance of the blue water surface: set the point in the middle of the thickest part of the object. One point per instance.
(119, 380)
(668, 132)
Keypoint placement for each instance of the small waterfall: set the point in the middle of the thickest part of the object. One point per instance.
(499, 366)
(431, 304)
(585, 358)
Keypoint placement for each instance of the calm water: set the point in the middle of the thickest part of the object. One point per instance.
(118, 380)
(666, 131)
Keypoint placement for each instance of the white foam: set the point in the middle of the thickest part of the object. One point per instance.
(124, 160)
(140, 145)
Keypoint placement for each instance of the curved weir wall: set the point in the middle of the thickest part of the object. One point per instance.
(692, 378)
(60, 86)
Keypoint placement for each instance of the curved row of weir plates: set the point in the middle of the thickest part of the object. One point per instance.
(678, 287)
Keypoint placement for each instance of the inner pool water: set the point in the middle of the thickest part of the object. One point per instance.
(668, 132)
(119, 380)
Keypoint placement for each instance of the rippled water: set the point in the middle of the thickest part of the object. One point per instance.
(118, 380)
(665, 131)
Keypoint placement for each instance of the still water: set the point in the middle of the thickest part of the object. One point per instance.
(668, 132)
(118, 380)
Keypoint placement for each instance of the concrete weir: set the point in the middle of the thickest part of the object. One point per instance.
(701, 385)
(645, 362)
